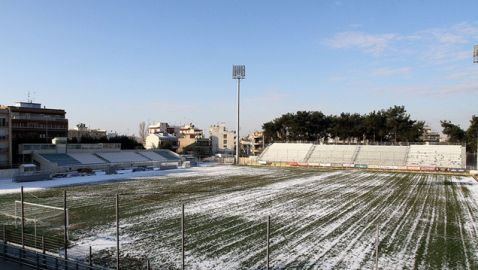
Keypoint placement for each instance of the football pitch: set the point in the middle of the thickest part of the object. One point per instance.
(319, 219)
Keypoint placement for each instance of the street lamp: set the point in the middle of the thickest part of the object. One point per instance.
(238, 73)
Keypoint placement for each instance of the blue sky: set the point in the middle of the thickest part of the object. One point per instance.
(113, 64)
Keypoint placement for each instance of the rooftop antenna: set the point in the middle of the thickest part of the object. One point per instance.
(29, 99)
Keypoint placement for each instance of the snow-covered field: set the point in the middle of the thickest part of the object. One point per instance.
(319, 220)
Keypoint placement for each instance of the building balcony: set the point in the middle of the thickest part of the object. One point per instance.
(41, 118)
(39, 128)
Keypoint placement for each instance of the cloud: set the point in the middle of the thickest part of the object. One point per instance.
(432, 91)
(461, 33)
(391, 71)
(435, 44)
(369, 43)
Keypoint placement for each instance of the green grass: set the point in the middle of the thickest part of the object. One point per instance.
(319, 219)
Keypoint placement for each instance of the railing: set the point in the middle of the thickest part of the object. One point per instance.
(38, 252)
(36, 147)
(40, 260)
(95, 146)
(368, 143)
(38, 118)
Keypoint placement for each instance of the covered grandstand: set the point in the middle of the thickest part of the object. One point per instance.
(411, 157)
(64, 158)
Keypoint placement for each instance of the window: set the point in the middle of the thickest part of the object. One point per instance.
(3, 122)
(224, 142)
(225, 136)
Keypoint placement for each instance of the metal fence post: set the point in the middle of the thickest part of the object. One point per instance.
(117, 233)
(35, 232)
(89, 258)
(182, 237)
(4, 241)
(43, 249)
(23, 219)
(268, 232)
(148, 266)
(65, 236)
(376, 248)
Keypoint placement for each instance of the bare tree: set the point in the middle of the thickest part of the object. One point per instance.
(143, 132)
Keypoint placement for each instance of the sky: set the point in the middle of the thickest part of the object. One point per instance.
(114, 64)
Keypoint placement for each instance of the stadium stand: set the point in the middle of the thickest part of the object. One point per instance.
(61, 159)
(446, 156)
(123, 156)
(419, 157)
(168, 155)
(382, 155)
(87, 158)
(152, 156)
(286, 152)
(333, 154)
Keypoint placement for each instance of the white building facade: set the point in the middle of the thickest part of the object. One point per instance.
(223, 141)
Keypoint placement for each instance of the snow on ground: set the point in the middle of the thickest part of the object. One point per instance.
(320, 220)
(7, 186)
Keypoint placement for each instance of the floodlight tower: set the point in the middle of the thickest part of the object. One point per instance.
(238, 73)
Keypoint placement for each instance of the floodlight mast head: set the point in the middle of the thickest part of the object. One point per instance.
(475, 54)
(239, 72)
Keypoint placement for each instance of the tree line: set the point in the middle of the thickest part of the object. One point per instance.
(458, 135)
(392, 125)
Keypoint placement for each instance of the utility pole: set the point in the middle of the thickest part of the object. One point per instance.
(238, 73)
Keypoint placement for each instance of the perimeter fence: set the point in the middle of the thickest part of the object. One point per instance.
(43, 246)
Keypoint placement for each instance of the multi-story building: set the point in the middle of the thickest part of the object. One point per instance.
(161, 140)
(164, 128)
(223, 141)
(191, 140)
(30, 123)
(253, 144)
(81, 130)
(5, 138)
(188, 135)
(429, 135)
